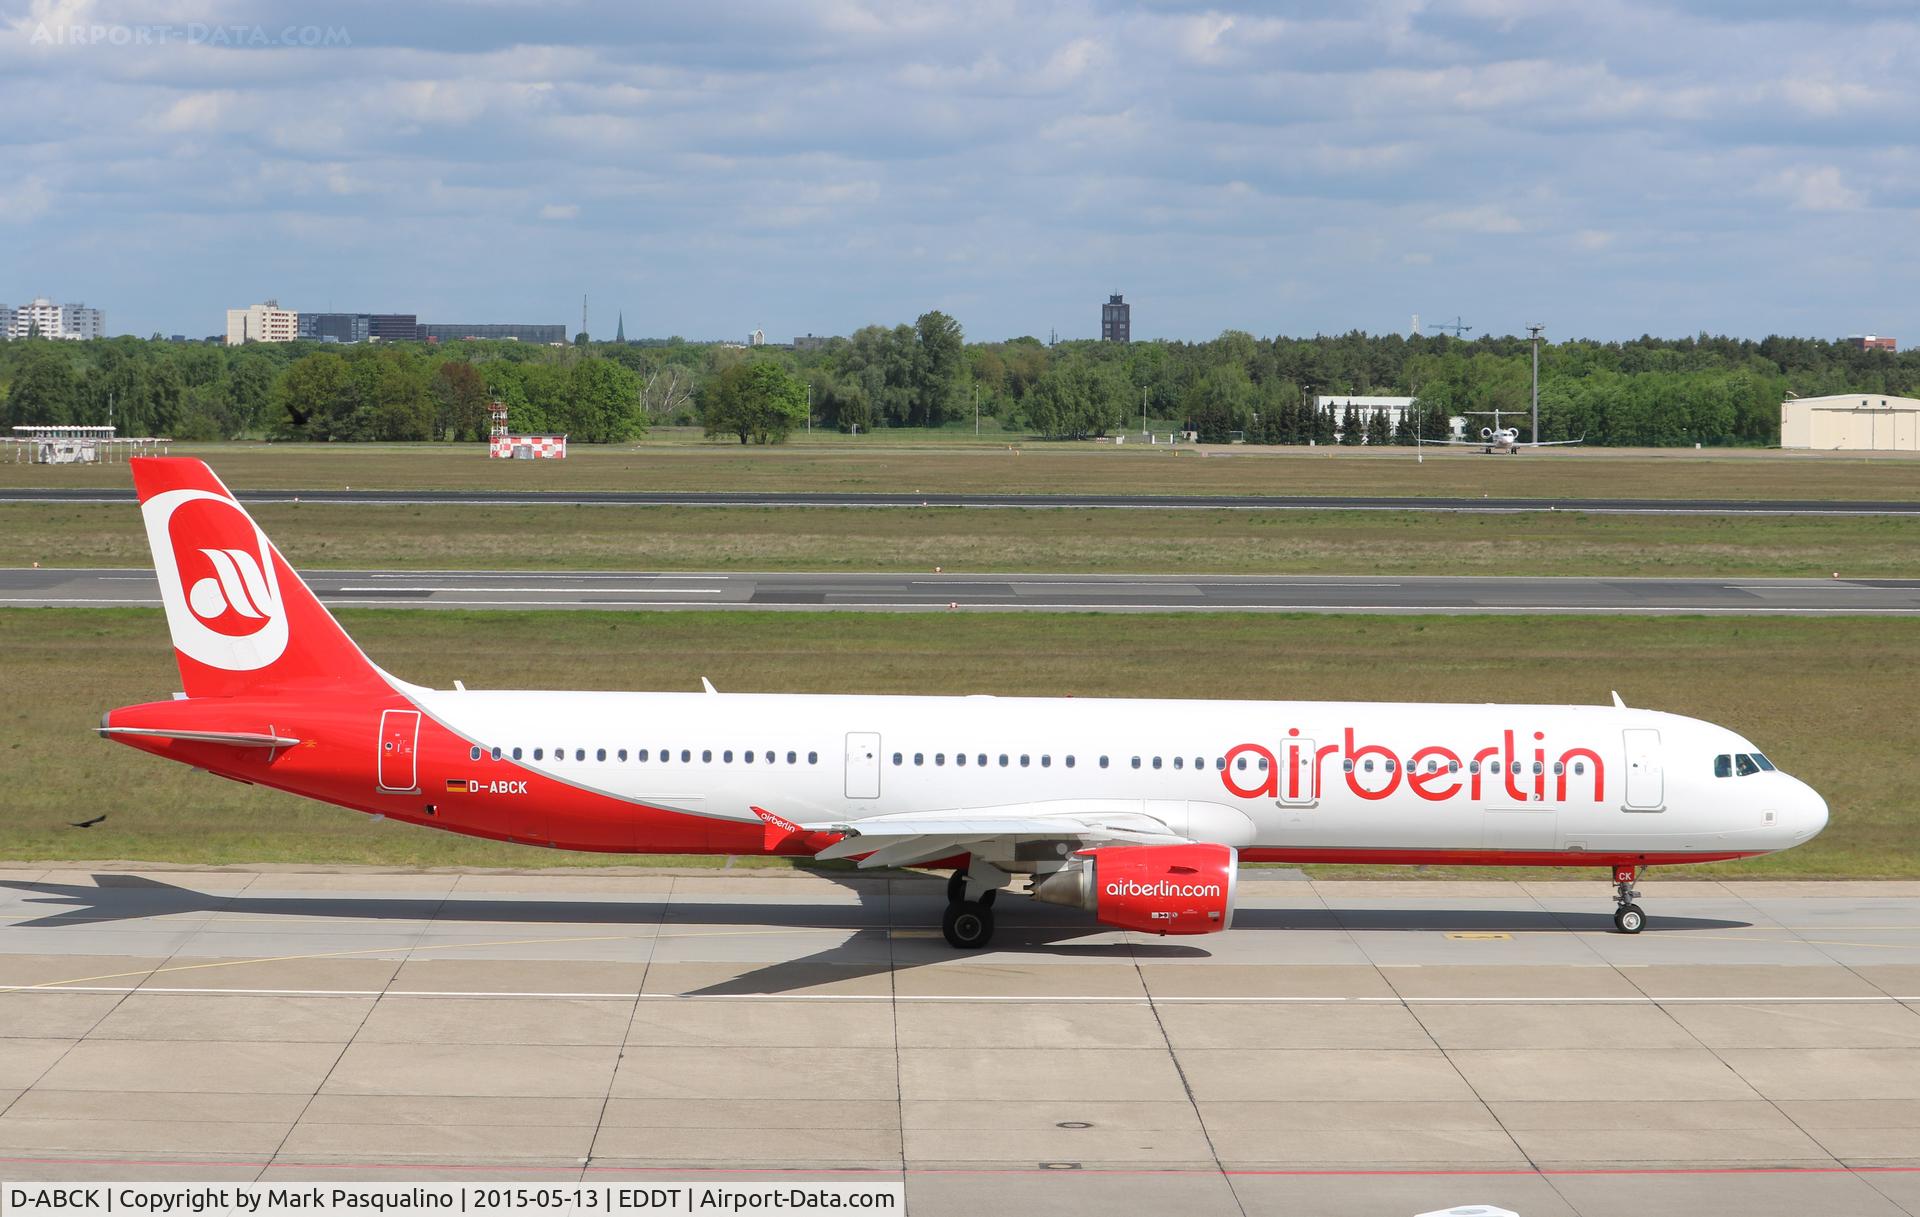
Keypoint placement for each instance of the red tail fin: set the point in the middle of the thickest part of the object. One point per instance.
(242, 621)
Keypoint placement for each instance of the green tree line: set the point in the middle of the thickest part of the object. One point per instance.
(1647, 391)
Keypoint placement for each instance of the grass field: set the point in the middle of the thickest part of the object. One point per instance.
(1831, 700)
(320, 535)
(882, 463)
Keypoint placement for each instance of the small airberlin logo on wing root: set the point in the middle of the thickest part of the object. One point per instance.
(1163, 888)
(217, 580)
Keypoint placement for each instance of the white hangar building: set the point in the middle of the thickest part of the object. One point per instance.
(1862, 422)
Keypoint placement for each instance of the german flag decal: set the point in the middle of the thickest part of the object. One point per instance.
(456, 785)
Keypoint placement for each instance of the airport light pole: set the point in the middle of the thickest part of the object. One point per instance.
(1533, 336)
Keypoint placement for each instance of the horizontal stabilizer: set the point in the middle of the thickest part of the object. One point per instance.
(233, 739)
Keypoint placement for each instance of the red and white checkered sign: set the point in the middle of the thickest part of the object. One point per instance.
(545, 447)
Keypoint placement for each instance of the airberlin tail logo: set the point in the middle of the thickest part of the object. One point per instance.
(238, 585)
(217, 580)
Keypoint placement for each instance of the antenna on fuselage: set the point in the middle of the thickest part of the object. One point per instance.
(1617, 703)
(708, 686)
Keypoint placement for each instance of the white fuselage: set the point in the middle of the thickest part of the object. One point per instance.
(1298, 776)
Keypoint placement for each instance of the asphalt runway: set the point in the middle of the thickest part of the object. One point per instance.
(1056, 593)
(1194, 502)
(1347, 1048)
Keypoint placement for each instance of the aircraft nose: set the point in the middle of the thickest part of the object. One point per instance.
(1810, 813)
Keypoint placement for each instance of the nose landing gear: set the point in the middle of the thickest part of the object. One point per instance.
(1628, 917)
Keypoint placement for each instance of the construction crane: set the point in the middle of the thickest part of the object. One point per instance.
(1457, 328)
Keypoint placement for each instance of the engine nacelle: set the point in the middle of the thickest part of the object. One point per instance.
(1158, 889)
(1486, 433)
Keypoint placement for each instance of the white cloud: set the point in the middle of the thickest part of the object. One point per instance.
(1486, 219)
(560, 211)
(24, 200)
(1819, 189)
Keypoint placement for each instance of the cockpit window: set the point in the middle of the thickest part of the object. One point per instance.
(1763, 762)
(1744, 765)
(1723, 766)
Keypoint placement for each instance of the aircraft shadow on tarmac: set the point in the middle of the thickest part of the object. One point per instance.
(886, 906)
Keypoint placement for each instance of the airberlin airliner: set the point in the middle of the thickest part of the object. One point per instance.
(1136, 811)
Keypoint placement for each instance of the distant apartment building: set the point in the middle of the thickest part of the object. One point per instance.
(757, 339)
(264, 322)
(49, 320)
(1872, 342)
(1116, 320)
(435, 331)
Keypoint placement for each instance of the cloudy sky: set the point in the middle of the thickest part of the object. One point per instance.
(1609, 168)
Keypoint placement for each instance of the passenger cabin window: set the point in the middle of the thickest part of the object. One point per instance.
(897, 758)
(1046, 761)
(813, 758)
(496, 754)
(1103, 762)
(537, 753)
(600, 754)
(473, 754)
(706, 756)
(516, 754)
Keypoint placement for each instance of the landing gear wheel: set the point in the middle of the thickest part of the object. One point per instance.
(1629, 919)
(968, 926)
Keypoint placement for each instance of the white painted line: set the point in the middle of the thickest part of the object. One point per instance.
(530, 574)
(1813, 585)
(663, 591)
(1039, 999)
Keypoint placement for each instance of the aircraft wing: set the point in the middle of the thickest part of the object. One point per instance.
(909, 838)
(1555, 443)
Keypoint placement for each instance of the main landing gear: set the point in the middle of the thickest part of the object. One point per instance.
(1628, 918)
(968, 921)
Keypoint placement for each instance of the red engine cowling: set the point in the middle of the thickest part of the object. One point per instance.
(1158, 889)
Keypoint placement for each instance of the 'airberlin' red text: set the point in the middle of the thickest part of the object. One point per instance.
(1433, 772)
